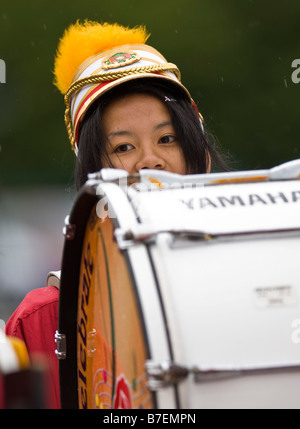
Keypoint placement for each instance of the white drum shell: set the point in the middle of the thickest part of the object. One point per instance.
(231, 306)
(230, 302)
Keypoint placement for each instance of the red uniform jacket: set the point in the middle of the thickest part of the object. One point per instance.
(35, 321)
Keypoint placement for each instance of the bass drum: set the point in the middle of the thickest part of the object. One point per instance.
(104, 346)
(184, 294)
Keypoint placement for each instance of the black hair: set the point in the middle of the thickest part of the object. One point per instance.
(196, 145)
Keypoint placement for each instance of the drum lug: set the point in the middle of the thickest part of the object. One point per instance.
(164, 374)
(130, 237)
(124, 239)
(61, 351)
(69, 229)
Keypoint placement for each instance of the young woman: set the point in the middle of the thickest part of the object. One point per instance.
(125, 108)
(128, 109)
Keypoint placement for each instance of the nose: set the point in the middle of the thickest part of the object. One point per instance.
(150, 160)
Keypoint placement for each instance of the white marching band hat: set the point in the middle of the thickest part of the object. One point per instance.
(93, 58)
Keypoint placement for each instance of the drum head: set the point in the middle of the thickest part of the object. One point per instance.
(106, 341)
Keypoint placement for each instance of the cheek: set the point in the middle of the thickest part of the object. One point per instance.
(179, 164)
(105, 163)
(123, 164)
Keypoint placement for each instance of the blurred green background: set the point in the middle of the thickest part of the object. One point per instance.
(235, 57)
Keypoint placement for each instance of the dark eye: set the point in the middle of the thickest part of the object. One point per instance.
(168, 139)
(123, 148)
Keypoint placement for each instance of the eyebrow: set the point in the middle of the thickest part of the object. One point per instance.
(128, 133)
(162, 125)
(119, 133)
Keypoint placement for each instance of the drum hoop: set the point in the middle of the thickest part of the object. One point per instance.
(68, 295)
(70, 272)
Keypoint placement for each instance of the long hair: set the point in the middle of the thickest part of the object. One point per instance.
(198, 150)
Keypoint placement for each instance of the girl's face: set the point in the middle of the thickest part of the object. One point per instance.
(140, 134)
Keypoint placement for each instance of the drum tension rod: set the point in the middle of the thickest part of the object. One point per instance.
(142, 234)
(127, 238)
(164, 374)
(167, 373)
(69, 229)
(61, 350)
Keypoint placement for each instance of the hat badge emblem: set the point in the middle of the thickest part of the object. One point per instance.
(120, 59)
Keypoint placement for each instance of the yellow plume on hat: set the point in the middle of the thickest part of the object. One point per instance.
(81, 41)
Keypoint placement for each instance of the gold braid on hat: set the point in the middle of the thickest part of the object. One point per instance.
(106, 77)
